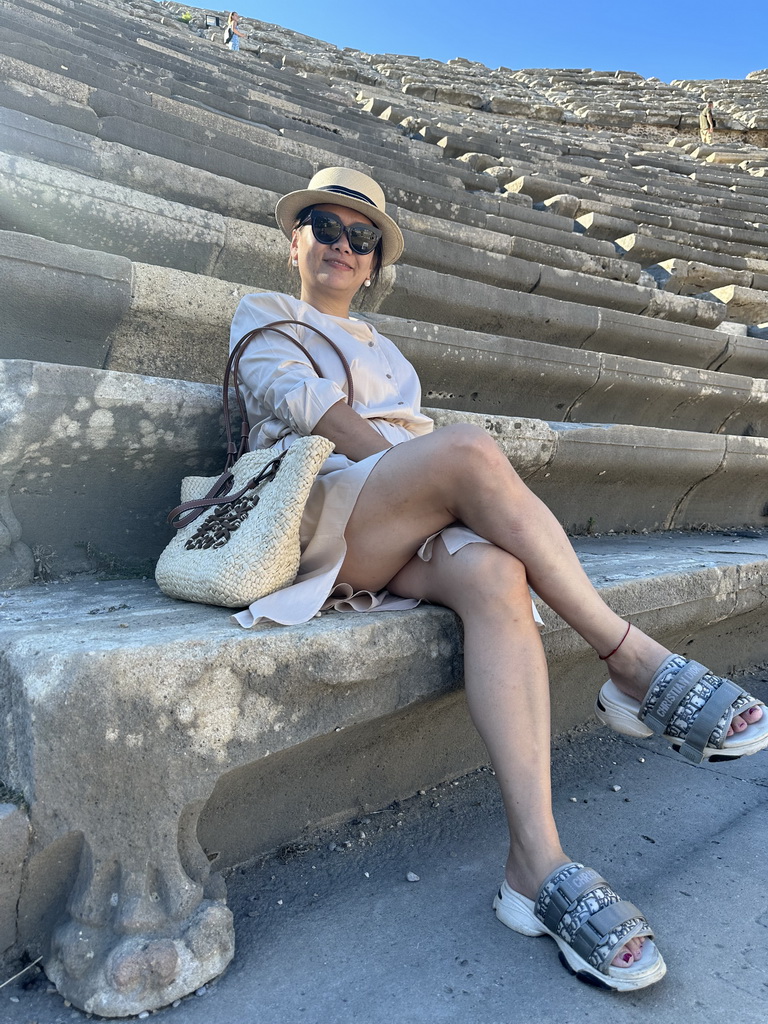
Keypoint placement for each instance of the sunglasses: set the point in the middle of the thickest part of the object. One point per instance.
(328, 228)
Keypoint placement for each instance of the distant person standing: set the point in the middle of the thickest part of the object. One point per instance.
(706, 123)
(232, 35)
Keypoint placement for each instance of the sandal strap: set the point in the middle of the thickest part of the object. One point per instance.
(704, 724)
(672, 696)
(702, 720)
(593, 942)
(566, 893)
(577, 904)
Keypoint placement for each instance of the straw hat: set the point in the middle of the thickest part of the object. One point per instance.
(341, 186)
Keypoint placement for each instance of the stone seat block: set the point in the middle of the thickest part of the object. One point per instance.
(197, 152)
(423, 293)
(92, 461)
(48, 106)
(463, 370)
(746, 355)
(572, 286)
(182, 133)
(540, 188)
(86, 294)
(156, 175)
(688, 277)
(649, 249)
(188, 122)
(513, 236)
(194, 731)
(81, 74)
(79, 210)
(14, 851)
(745, 305)
(128, 316)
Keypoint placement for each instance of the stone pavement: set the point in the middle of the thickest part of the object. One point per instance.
(330, 931)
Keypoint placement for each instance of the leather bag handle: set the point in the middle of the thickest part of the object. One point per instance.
(219, 494)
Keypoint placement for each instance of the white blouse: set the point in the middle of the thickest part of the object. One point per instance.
(284, 396)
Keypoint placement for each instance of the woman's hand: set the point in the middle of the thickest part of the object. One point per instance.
(352, 435)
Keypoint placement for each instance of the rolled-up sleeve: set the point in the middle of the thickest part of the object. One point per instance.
(278, 375)
(303, 405)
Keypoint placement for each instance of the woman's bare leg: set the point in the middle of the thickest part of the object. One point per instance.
(459, 473)
(507, 690)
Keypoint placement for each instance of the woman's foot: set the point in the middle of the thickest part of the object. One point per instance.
(587, 919)
(525, 875)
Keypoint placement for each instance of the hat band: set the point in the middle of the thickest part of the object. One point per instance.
(347, 192)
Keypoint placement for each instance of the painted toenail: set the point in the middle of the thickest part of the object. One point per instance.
(627, 958)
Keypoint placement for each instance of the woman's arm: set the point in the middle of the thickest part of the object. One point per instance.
(352, 435)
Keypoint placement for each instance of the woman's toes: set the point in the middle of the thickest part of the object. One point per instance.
(629, 954)
(737, 725)
(623, 958)
(745, 719)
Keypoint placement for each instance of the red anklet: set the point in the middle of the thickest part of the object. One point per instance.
(605, 657)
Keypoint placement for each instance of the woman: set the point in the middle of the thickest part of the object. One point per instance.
(444, 518)
(232, 35)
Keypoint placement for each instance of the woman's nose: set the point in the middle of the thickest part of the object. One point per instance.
(342, 242)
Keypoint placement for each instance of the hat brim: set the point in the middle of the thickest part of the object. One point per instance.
(290, 206)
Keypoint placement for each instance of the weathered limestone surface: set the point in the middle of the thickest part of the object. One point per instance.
(583, 278)
(14, 849)
(145, 920)
(107, 450)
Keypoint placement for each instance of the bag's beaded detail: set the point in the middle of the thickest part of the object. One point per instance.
(219, 527)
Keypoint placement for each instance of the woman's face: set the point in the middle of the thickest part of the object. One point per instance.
(335, 271)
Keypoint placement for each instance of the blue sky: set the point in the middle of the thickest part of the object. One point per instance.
(675, 39)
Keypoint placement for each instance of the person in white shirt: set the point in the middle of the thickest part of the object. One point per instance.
(401, 514)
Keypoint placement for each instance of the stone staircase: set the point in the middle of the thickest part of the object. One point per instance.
(582, 278)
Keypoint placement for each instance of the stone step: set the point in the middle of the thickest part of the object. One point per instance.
(38, 139)
(80, 210)
(583, 308)
(502, 376)
(146, 315)
(261, 165)
(231, 708)
(688, 277)
(123, 100)
(93, 461)
(649, 249)
(170, 100)
(611, 222)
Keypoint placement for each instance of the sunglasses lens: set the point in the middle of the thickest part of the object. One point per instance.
(363, 239)
(326, 227)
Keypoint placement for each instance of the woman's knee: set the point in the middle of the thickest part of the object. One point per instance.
(467, 450)
(480, 577)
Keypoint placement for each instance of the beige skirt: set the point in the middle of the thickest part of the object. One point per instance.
(323, 549)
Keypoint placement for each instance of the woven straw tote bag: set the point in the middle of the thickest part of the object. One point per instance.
(238, 533)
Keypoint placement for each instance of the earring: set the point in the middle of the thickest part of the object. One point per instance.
(367, 282)
(295, 262)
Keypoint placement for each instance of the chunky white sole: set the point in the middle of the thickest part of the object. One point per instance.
(516, 912)
(617, 710)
